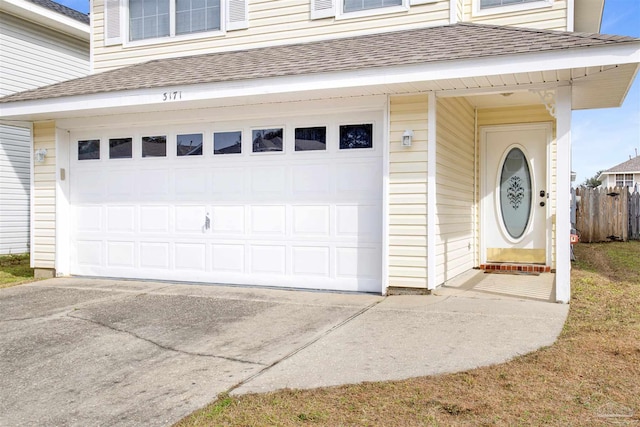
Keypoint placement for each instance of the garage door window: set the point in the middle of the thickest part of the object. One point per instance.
(154, 146)
(267, 140)
(356, 136)
(189, 144)
(311, 139)
(120, 148)
(89, 149)
(227, 142)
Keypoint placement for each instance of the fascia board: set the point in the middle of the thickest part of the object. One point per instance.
(508, 64)
(45, 17)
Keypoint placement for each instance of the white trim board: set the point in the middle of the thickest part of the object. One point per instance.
(489, 66)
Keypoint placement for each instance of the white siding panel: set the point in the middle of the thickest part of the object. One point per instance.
(408, 193)
(34, 56)
(15, 143)
(455, 212)
(43, 252)
(270, 23)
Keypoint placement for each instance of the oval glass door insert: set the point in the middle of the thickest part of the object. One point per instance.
(515, 193)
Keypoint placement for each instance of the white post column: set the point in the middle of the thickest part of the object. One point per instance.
(563, 194)
(431, 193)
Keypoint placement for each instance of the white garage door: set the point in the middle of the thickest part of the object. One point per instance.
(294, 203)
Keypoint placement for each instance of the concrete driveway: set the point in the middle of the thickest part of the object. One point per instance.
(99, 352)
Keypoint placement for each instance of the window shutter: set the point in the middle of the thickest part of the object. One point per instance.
(323, 8)
(238, 14)
(112, 22)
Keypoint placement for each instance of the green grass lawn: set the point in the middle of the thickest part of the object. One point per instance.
(589, 377)
(14, 270)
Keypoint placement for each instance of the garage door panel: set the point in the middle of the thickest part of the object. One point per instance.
(88, 186)
(190, 184)
(120, 254)
(88, 219)
(89, 252)
(359, 221)
(358, 179)
(312, 181)
(228, 183)
(121, 185)
(357, 262)
(153, 184)
(228, 257)
(268, 259)
(311, 261)
(190, 256)
(228, 220)
(154, 255)
(268, 183)
(311, 221)
(120, 219)
(154, 219)
(268, 220)
(190, 219)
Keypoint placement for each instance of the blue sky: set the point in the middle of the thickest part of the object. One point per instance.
(601, 138)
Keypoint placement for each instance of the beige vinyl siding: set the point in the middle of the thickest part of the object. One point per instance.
(34, 56)
(408, 192)
(528, 114)
(270, 23)
(552, 17)
(15, 149)
(44, 194)
(455, 212)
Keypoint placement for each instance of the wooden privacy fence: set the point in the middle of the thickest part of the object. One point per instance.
(606, 214)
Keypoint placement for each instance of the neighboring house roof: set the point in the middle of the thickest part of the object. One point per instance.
(62, 9)
(51, 15)
(401, 48)
(630, 166)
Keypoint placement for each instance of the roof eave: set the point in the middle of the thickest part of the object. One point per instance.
(625, 53)
(46, 17)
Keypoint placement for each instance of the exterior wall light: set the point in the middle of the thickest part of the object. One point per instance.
(407, 137)
(40, 154)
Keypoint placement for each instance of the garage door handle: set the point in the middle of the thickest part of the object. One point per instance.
(207, 222)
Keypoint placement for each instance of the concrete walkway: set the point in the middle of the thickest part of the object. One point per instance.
(99, 352)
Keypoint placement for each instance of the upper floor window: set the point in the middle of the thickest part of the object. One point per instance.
(355, 5)
(155, 21)
(624, 180)
(153, 18)
(489, 7)
(346, 9)
(484, 4)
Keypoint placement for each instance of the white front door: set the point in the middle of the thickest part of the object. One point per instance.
(515, 194)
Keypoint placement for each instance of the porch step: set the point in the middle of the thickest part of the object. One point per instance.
(524, 268)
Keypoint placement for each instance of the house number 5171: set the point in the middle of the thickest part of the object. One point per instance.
(171, 96)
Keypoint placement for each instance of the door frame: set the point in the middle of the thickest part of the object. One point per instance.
(483, 130)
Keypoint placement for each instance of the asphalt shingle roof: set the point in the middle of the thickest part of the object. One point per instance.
(63, 10)
(632, 165)
(425, 45)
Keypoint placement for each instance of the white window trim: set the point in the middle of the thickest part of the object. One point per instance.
(477, 11)
(341, 14)
(172, 37)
